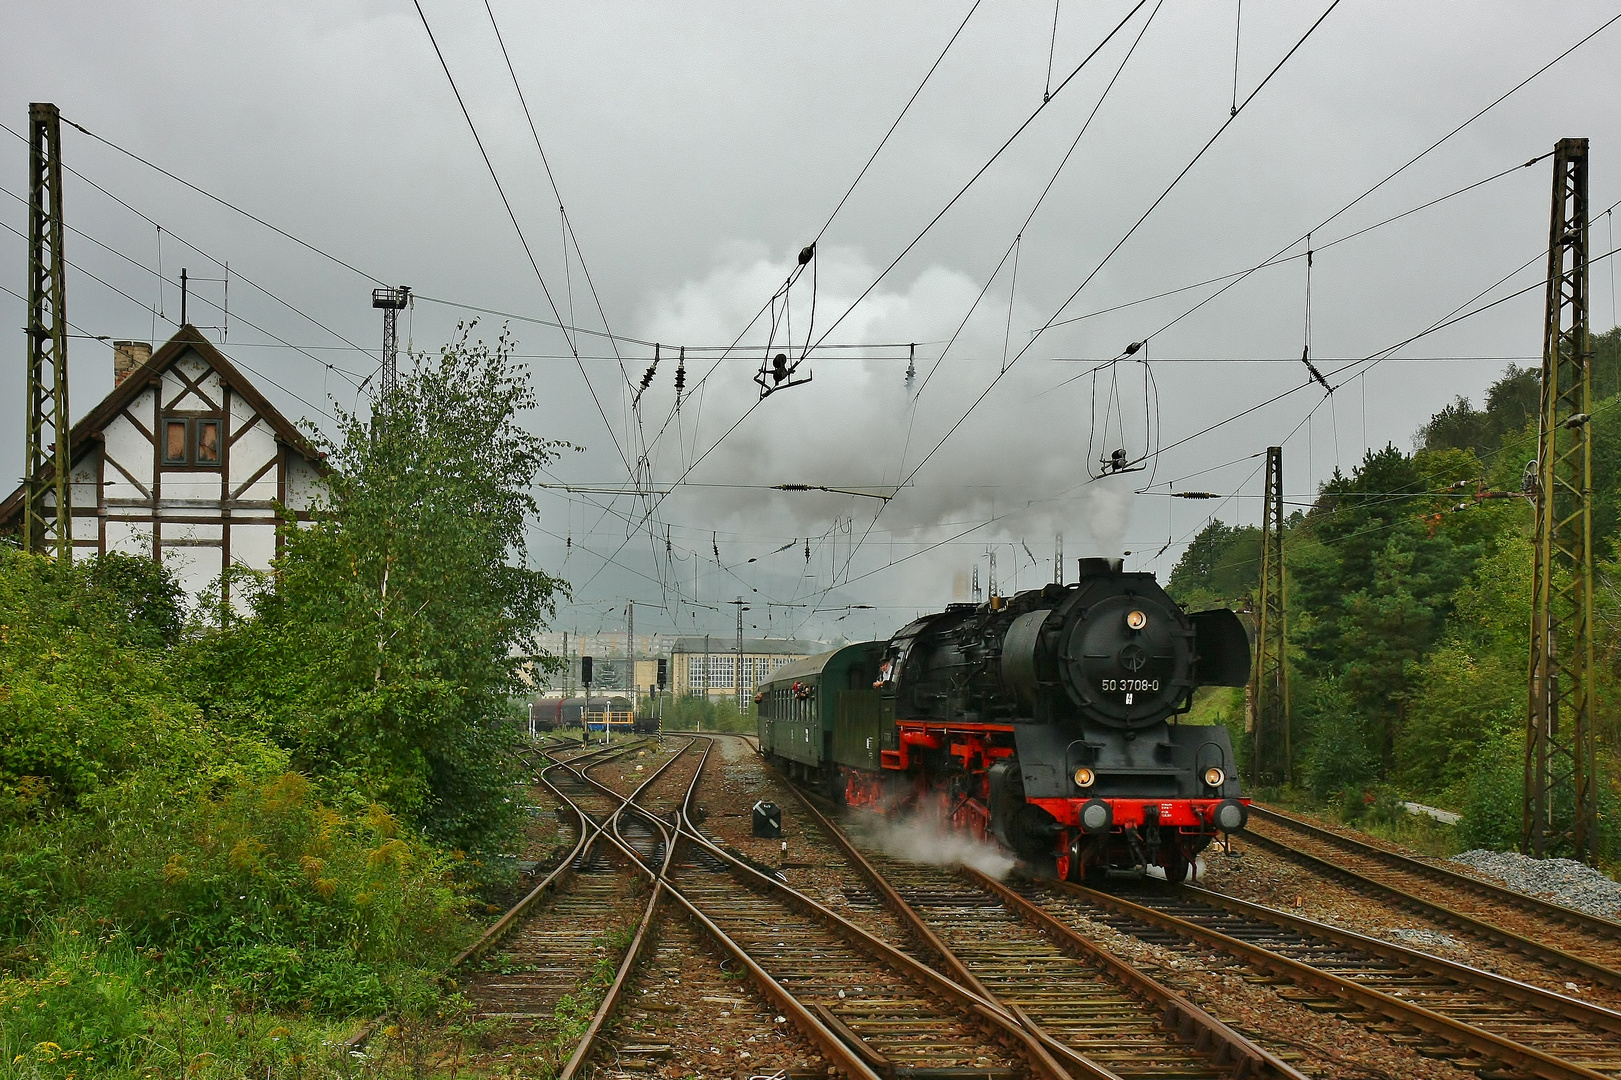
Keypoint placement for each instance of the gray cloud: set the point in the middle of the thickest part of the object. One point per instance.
(698, 146)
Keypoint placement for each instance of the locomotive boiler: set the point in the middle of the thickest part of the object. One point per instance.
(1045, 720)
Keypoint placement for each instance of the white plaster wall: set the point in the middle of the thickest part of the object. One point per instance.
(196, 484)
(173, 530)
(252, 545)
(304, 485)
(195, 568)
(126, 445)
(248, 455)
(130, 537)
(173, 385)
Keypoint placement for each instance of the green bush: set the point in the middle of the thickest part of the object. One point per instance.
(84, 692)
(1338, 758)
(1494, 796)
(692, 712)
(266, 890)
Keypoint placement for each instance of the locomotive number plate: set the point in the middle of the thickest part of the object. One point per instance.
(1124, 685)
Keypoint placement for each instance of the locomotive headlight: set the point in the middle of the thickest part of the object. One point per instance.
(1084, 777)
(1214, 777)
(1136, 620)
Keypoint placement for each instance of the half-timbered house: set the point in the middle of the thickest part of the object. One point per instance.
(186, 462)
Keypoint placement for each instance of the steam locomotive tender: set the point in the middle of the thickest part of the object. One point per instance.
(1046, 720)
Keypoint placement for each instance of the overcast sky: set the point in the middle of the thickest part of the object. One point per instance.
(698, 147)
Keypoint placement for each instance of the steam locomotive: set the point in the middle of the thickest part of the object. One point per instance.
(1045, 720)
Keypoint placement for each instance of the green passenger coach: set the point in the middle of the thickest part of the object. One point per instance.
(822, 712)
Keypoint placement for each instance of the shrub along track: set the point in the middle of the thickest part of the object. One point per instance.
(1554, 937)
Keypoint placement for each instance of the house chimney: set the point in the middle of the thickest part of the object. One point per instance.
(127, 356)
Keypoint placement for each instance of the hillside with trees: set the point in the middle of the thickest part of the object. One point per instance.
(1409, 607)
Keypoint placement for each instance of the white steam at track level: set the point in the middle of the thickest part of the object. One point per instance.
(920, 841)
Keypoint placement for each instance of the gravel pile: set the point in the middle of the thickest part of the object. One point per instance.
(1424, 940)
(1563, 881)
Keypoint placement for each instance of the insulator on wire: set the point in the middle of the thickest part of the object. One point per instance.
(647, 376)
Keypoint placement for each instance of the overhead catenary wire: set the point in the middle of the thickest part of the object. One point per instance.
(157, 313)
(1013, 248)
(1197, 157)
(146, 307)
(1281, 258)
(566, 226)
(972, 180)
(1052, 46)
(1415, 159)
(518, 228)
(699, 386)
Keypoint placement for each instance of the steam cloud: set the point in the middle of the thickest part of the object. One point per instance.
(919, 840)
(1017, 463)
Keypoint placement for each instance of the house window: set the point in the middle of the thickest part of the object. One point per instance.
(207, 447)
(191, 441)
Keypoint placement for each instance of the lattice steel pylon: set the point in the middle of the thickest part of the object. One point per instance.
(1561, 804)
(48, 491)
(1272, 750)
(392, 301)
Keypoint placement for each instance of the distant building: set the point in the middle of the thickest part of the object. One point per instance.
(708, 666)
(185, 462)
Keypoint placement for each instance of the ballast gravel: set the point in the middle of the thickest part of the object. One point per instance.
(1563, 881)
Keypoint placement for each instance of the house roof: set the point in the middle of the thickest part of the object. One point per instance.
(187, 337)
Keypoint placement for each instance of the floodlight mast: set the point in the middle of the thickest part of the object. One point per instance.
(392, 301)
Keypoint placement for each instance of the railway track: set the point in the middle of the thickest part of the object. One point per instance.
(1553, 936)
(566, 932)
(1094, 1013)
(1014, 991)
(1483, 1022)
(1495, 1026)
(1035, 967)
(870, 1009)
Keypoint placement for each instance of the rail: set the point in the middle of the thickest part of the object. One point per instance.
(1208, 1037)
(1593, 924)
(1541, 951)
(1466, 1036)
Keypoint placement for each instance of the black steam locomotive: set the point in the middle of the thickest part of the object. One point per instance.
(1046, 720)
